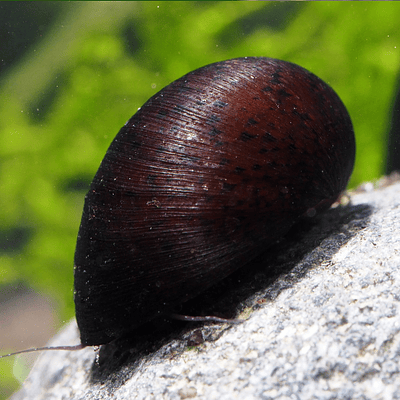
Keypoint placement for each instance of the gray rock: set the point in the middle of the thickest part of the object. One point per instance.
(322, 322)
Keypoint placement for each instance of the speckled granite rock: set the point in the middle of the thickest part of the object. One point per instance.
(323, 322)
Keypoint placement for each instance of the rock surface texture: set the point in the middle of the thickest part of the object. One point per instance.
(322, 310)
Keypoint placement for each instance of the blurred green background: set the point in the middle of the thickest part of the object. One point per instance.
(73, 73)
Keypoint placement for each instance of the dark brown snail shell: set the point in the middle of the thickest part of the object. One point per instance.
(211, 171)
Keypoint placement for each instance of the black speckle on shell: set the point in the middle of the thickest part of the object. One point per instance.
(211, 171)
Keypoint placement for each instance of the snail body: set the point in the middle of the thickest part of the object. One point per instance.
(212, 170)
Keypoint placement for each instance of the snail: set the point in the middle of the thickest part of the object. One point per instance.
(211, 171)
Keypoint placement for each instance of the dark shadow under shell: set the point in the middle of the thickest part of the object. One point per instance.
(211, 171)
